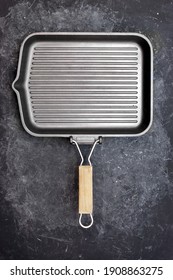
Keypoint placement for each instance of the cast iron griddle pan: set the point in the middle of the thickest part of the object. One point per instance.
(85, 86)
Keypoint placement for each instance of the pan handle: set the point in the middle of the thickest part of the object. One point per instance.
(85, 193)
(86, 186)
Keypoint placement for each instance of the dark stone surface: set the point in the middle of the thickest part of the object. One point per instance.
(133, 179)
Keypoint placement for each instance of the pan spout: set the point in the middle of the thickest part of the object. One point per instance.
(16, 85)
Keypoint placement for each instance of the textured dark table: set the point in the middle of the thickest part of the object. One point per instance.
(133, 180)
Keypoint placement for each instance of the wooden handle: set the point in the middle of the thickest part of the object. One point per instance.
(85, 189)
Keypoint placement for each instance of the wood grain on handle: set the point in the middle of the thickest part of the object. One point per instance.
(85, 189)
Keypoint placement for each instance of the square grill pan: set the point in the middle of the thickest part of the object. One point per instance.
(85, 86)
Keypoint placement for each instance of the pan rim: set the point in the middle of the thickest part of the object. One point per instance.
(90, 34)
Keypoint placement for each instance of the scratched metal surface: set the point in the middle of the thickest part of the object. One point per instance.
(133, 180)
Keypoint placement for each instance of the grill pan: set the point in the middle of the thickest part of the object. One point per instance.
(85, 86)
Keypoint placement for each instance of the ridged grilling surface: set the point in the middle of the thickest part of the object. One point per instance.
(85, 85)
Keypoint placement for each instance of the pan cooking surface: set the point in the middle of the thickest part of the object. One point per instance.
(92, 84)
